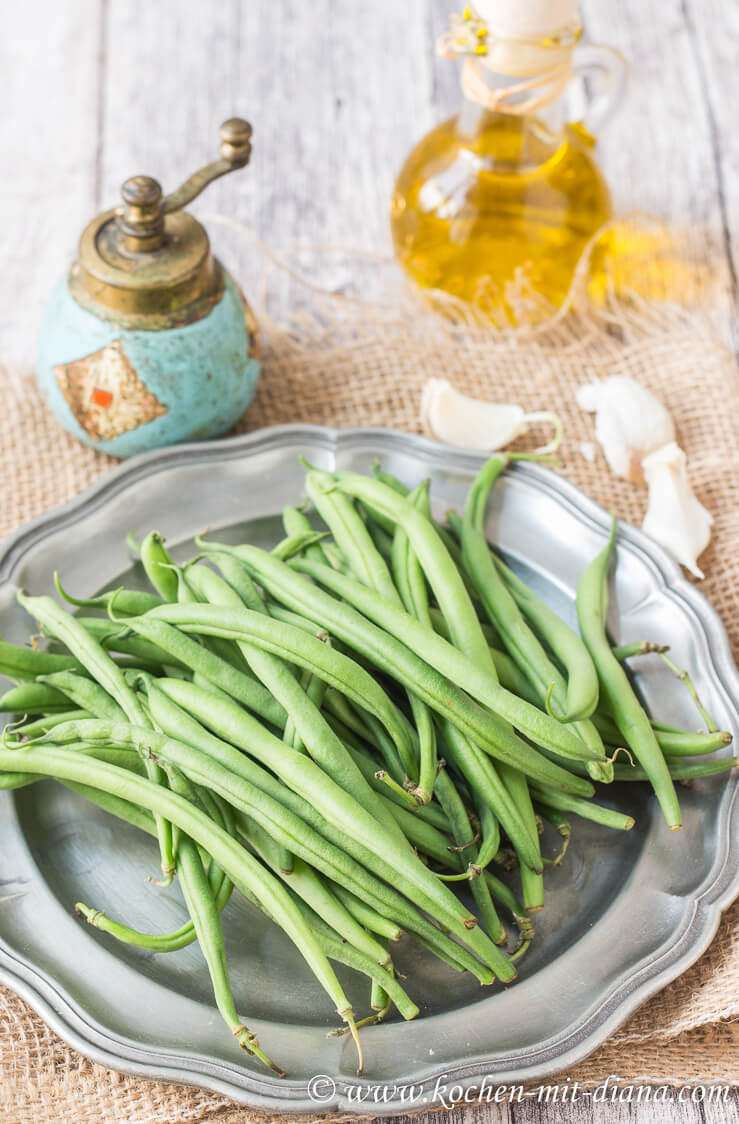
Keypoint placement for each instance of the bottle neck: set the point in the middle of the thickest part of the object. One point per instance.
(493, 99)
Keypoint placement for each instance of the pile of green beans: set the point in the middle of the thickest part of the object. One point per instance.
(374, 732)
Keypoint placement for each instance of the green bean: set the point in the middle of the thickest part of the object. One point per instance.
(351, 537)
(383, 852)
(672, 742)
(461, 833)
(380, 537)
(315, 690)
(309, 886)
(194, 656)
(365, 561)
(129, 602)
(680, 770)
(32, 698)
(290, 644)
(490, 834)
(86, 694)
(247, 874)
(117, 638)
(644, 647)
(201, 906)
(527, 845)
(412, 595)
(585, 808)
(295, 544)
(157, 563)
(632, 721)
(343, 953)
(156, 942)
(98, 663)
(484, 778)
(582, 679)
(428, 813)
(428, 680)
(319, 739)
(441, 573)
(519, 639)
(287, 817)
(447, 539)
(367, 916)
(19, 662)
(532, 882)
(380, 1002)
(453, 665)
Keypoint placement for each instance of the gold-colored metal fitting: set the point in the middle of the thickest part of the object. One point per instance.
(147, 264)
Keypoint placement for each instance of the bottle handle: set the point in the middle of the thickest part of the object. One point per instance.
(612, 70)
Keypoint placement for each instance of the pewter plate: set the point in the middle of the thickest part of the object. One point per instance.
(624, 915)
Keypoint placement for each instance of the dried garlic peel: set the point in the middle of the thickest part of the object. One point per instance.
(675, 517)
(470, 423)
(630, 423)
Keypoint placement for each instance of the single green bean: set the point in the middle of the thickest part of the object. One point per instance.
(19, 662)
(672, 742)
(630, 717)
(585, 808)
(158, 566)
(86, 694)
(680, 770)
(129, 602)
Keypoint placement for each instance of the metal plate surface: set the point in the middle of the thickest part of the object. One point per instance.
(624, 915)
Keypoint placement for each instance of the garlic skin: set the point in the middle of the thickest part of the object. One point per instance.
(469, 423)
(675, 517)
(630, 423)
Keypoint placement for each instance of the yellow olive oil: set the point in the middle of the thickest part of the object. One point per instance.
(499, 211)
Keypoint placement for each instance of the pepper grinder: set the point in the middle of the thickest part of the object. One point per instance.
(148, 340)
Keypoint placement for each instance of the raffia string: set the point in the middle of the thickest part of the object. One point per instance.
(350, 358)
(542, 89)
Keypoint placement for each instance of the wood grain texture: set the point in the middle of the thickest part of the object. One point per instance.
(49, 79)
(97, 90)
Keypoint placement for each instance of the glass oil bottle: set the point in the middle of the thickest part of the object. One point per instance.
(497, 205)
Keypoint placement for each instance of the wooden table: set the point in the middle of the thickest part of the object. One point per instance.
(96, 90)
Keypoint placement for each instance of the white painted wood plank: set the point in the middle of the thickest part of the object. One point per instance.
(337, 94)
(714, 35)
(48, 130)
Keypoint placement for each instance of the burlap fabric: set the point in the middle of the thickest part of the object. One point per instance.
(365, 366)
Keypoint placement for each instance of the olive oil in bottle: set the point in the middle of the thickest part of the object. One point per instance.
(497, 205)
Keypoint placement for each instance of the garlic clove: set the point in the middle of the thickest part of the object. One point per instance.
(630, 422)
(470, 423)
(455, 419)
(675, 517)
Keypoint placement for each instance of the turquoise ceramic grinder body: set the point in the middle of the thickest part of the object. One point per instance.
(148, 341)
(175, 384)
